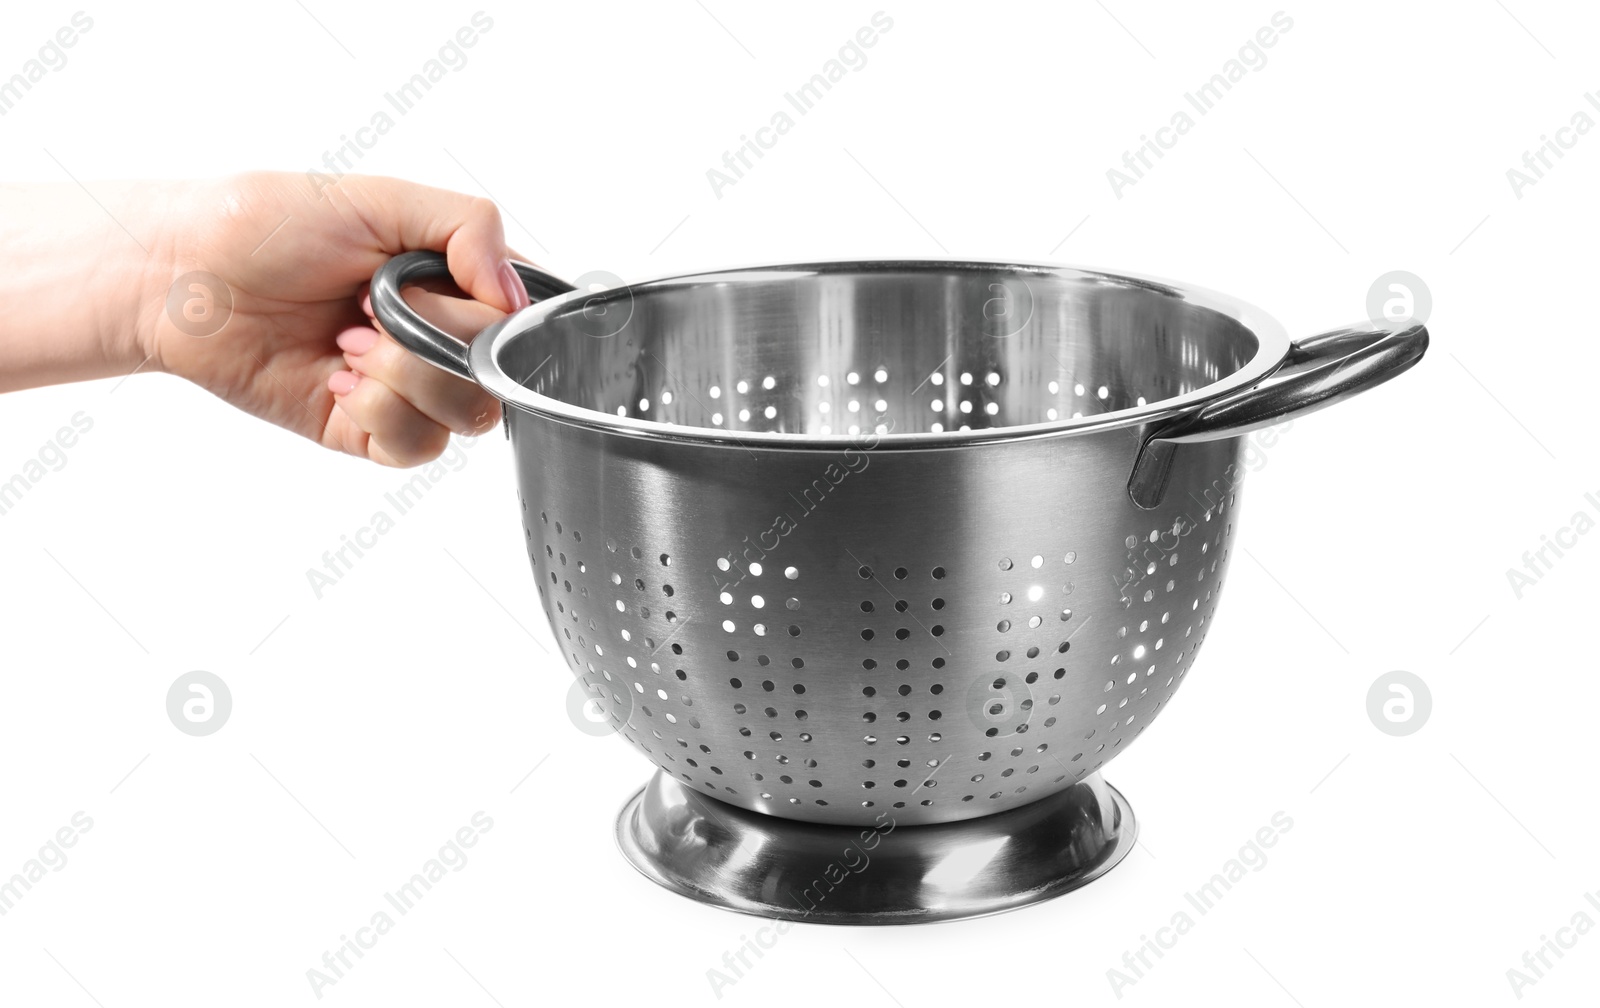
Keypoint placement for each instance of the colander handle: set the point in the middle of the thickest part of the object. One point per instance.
(1316, 372)
(416, 333)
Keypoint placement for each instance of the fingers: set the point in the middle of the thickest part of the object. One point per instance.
(390, 406)
(400, 409)
(382, 425)
(458, 405)
(405, 216)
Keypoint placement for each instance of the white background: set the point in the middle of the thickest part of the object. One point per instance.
(370, 725)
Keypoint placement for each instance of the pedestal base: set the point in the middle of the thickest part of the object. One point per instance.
(757, 864)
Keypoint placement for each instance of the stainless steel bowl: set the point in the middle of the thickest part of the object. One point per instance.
(932, 539)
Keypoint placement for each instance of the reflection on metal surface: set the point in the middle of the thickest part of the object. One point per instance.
(883, 874)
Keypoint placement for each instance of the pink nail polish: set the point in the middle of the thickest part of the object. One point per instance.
(511, 285)
(343, 382)
(357, 340)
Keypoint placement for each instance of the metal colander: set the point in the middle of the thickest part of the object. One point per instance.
(941, 538)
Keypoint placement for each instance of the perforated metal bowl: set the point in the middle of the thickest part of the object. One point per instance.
(941, 538)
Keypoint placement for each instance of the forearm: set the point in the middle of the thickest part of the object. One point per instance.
(79, 279)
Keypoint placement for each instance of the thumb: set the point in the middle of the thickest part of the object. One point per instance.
(404, 217)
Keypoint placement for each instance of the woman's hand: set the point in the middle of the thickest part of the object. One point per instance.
(300, 348)
(254, 288)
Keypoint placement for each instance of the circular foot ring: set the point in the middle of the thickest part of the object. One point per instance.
(758, 864)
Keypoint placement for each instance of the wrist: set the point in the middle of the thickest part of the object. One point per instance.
(142, 298)
(76, 294)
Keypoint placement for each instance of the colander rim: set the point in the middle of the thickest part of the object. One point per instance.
(1272, 345)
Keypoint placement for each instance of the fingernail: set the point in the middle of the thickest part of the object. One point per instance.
(511, 285)
(366, 305)
(357, 340)
(343, 382)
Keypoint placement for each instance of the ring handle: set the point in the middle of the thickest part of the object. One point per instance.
(1316, 372)
(416, 333)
